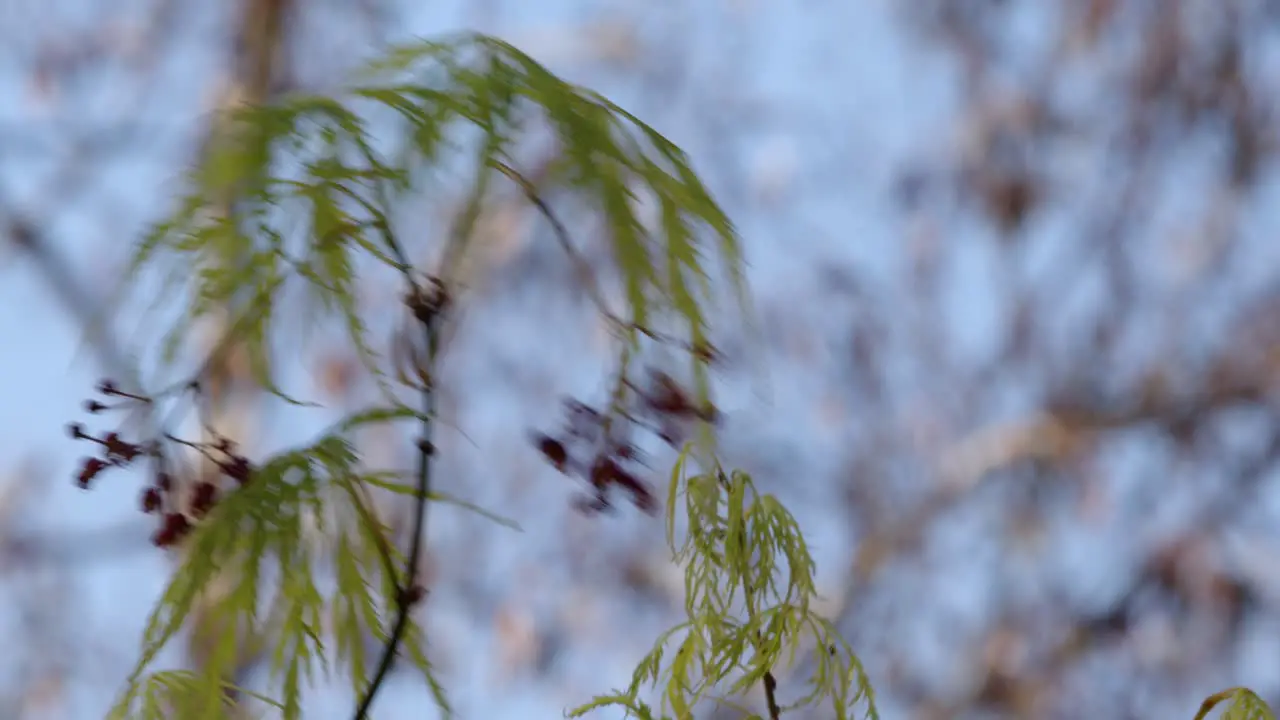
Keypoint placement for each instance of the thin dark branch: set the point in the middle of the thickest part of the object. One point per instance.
(580, 266)
(406, 594)
(770, 686)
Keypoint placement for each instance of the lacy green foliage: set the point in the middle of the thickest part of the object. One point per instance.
(260, 530)
(297, 191)
(169, 693)
(312, 158)
(748, 583)
(1244, 705)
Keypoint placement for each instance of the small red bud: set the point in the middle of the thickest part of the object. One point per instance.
(203, 497)
(413, 595)
(89, 470)
(237, 469)
(121, 452)
(554, 451)
(150, 500)
(172, 528)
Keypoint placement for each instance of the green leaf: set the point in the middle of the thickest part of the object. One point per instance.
(435, 496)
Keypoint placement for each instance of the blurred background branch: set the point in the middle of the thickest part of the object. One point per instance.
(1019, 291)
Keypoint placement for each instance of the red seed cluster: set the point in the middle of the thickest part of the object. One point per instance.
(596, 445)
(159, 497)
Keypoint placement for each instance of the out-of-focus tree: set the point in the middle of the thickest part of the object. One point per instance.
(1052, 387)
(1077, 359)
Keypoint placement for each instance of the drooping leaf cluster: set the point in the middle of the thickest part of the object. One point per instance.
(262, 536)
(312, 190)
(299, 192)
(748, 585)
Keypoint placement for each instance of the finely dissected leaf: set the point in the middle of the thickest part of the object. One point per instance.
(377, 415)
(261, 520)
(413, 646)
(235, 239)
(407, 489)
(351, 603)
(738, 541)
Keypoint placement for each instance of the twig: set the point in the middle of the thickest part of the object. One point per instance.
(580, 266)
(404, 595)
(583, 270)
(405, 592)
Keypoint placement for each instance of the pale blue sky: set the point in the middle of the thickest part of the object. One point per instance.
(851, 98)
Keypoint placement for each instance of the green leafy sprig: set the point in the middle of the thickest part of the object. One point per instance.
(748, 580)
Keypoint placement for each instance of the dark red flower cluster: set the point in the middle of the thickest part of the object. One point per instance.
(160, 496)
(596, 445)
